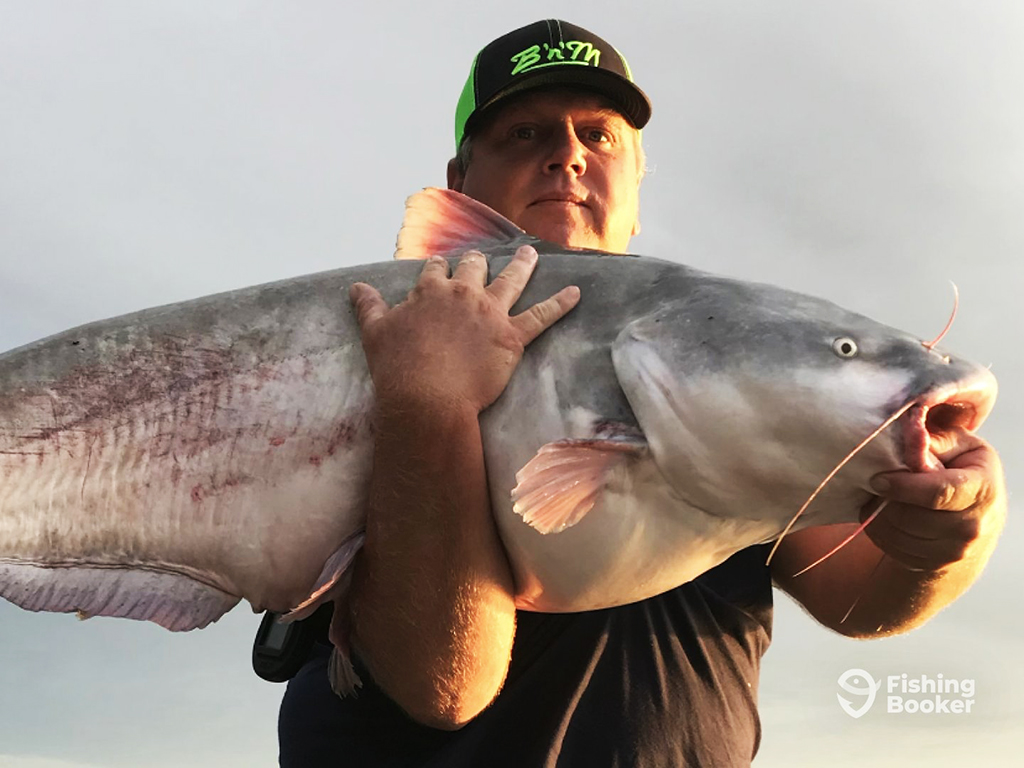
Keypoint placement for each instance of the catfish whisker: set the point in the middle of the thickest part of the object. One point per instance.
(930, 345)
(899, 412)
(845, 541)
(863, 590)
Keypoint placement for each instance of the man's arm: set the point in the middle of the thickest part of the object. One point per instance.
(432, 603)
(922, 552)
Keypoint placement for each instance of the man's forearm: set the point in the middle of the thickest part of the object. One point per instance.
(432, 599)
(432, 606)
(889, 598)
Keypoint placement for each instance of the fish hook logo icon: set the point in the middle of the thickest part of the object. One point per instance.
(850, 681)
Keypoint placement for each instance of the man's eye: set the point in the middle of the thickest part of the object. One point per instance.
(524, 132)
(596, 135)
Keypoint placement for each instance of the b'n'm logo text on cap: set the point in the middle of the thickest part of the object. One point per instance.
(579, 52)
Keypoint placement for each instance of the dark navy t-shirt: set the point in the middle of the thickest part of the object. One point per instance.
(669, 681)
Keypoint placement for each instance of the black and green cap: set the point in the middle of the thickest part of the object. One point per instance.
(549, 52)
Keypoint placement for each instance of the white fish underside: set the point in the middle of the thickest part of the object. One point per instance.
(181, 484)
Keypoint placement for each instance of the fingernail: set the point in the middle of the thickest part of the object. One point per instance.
(528, 252)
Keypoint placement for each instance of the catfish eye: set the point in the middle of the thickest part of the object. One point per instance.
(845, 347)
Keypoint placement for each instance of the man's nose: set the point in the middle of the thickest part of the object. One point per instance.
(567, 152)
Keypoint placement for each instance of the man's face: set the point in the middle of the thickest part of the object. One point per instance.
(561, 164)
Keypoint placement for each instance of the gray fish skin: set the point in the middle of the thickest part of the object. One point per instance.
(165, 464)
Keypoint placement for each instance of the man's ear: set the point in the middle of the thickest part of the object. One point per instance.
(456, 178)
(636, 228)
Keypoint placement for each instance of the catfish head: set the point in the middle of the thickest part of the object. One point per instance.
(750, 395)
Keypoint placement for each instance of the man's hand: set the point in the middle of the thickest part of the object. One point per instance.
(452, 339)
(940, 518)
(926, 547)
(433, 600)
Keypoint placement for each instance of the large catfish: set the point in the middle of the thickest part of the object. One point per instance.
(165, 464)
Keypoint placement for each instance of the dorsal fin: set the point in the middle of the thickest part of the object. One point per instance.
(439, 221)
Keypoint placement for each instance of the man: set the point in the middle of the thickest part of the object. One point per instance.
(453, 676)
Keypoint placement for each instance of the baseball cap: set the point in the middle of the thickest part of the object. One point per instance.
(549, 52)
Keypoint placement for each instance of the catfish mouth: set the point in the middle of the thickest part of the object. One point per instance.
(931, 426)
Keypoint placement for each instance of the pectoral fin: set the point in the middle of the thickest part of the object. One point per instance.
(564, 480)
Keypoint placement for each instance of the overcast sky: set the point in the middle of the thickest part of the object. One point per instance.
(867, 152)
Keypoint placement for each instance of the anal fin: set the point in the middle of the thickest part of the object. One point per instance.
(173, 600)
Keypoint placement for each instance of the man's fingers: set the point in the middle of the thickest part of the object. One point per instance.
(942, 516)
(914, 525)
(972, 473)
(510, 282)
(472, 268)
(970, 452)
(929, 547)
(951, 489)
(368, 303)
(436, 268)
(538, 318)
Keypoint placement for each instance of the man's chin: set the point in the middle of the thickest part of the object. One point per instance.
(572, 234)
